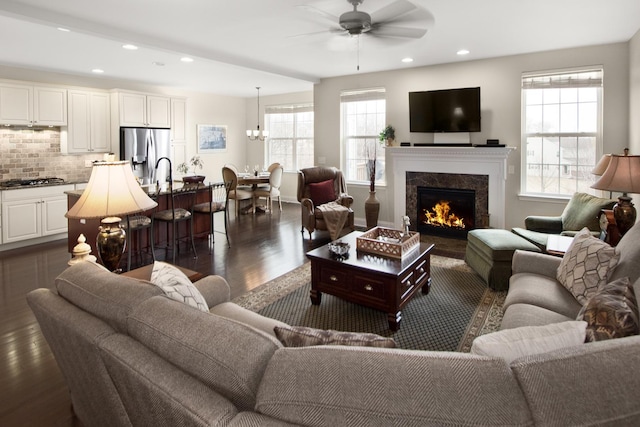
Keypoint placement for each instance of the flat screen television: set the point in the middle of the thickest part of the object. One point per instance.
(449, 110)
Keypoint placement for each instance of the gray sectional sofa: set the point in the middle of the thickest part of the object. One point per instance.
(132, 356)
(536, 297)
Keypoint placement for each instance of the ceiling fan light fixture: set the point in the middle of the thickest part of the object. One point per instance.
(355, 22)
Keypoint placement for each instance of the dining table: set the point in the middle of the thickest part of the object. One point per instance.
(253, 180)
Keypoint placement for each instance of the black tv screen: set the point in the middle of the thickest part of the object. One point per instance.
(449, 110)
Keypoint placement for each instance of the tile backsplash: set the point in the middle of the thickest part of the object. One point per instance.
(35, 153)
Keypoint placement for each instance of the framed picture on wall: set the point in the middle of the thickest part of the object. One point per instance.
(212, 138)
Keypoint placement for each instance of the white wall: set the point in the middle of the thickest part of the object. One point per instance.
(634, 94)
(499, 80)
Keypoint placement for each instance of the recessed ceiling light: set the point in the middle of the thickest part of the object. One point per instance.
(65, 30)
(407, 60)
(462, 52)
(130, 47)
(97, 71)
(158, 64)
(186, 59)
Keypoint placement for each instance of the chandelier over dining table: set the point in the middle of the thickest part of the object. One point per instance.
(257, 134)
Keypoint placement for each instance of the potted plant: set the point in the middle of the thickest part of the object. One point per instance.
(195, 162)
(388, 135)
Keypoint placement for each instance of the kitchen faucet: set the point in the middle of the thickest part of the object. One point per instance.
(170, 170)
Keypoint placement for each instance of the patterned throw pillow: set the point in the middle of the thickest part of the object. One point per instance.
(612, 312)
(176, 285)
(322, 192)
(587, 264)
(301, 336)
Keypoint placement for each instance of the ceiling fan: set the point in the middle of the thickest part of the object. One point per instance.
(380, 23)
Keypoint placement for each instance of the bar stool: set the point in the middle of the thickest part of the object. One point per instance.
(218, 198)
(134, 224)
(172, 217)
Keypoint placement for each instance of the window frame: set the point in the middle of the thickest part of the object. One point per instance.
(562, 82)
(294, 109)
(362, 95)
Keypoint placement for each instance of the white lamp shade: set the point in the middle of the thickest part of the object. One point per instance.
(112, 191)
(622, 175)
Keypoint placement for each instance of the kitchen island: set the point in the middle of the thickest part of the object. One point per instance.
(89, 227)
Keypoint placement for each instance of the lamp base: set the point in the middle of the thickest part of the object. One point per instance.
(624, 213)
(111, 242)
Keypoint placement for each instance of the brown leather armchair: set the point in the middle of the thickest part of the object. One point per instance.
(311, 217)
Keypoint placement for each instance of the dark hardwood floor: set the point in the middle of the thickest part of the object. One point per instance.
(33, 392)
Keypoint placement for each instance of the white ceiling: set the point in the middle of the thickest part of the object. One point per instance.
(285, 45)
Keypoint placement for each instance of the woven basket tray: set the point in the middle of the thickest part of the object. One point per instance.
(386, 242)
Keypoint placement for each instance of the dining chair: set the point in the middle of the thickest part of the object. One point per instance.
(234, 193)
(217, 203)
(273, 190)
(133, 225)
(235, 169)
(270, 169)
(174, 215)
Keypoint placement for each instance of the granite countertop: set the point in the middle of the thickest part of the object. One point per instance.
(23, 187)
(150, 189)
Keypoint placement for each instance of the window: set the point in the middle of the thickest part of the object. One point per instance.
(290, 141)
(562, 121)
(363, 116)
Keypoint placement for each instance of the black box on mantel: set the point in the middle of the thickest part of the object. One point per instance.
(493, 141)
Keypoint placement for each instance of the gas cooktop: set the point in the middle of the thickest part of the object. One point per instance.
(31, 182)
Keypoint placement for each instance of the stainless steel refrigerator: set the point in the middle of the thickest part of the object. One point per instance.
(143, 147)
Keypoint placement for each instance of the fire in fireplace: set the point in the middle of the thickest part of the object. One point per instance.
(446, 212)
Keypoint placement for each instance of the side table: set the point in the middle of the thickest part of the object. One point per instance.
(144, 273)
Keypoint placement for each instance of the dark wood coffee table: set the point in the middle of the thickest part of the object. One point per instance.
(381, 283)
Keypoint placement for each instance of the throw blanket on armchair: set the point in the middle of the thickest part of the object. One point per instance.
(335, 216)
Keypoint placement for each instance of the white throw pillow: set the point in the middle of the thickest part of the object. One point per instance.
(587, 265)
(176, 285)
(527, 340)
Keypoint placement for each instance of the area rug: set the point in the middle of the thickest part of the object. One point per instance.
(458, 308)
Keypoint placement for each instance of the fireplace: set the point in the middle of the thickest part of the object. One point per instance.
(446, 212)
(474, 162)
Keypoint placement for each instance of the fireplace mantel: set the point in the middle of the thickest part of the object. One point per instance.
(490, 161)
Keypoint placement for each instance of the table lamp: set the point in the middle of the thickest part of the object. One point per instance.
(622, 175)
(112, 191)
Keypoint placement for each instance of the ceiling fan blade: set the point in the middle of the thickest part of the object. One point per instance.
(332, 19)
(317, 33)
(404, 32)
(392, 11)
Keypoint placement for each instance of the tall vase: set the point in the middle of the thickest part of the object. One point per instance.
(372, 210)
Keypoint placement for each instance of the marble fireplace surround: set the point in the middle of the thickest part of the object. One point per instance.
(491, 162)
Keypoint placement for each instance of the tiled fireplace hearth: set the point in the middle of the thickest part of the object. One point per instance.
(478, 168)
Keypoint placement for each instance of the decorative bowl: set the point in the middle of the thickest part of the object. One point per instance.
(339, 248)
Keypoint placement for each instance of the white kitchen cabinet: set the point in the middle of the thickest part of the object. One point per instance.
(178, 120)
(34, 212)
(32, 105)
(89, 127)
(178, 153)
(143, 110)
